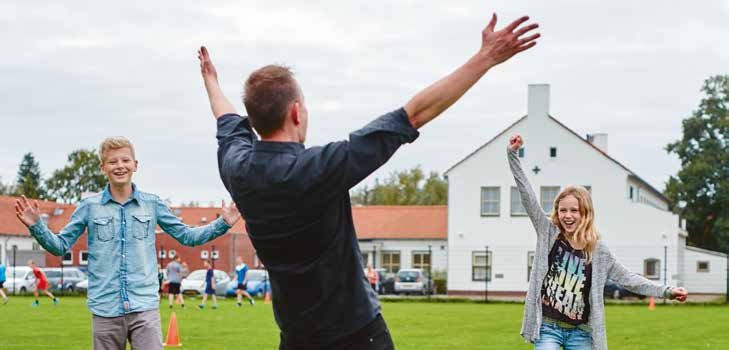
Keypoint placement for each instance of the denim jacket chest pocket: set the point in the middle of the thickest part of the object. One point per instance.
(140, 225)
(104, 228)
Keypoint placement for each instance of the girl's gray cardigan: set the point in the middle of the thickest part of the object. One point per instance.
(604, 266)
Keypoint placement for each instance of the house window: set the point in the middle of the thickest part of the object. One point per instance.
(171, 253)
(521, 152)
(702, 266)
(421, 260)
(83, 257)
(68, 258)
(390, 261)
(630, 192)
(552, 152)
(490, 201)
(481, 266)
(162, 254)
(548, 194)
(652, 268)
(204, 254)
(530, 264)
(215, 255)
(516, 208)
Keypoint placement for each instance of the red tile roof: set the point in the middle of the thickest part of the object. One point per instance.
(401, 222)
(371, 222)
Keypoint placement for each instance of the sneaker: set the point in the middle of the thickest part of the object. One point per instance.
(201, 306)
(35, 303)
(215, 306)
(183, 306)
(170, 306)
(239, 304)
(55, 301)
(252, 301)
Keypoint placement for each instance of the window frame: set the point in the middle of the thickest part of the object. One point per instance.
(700, 270)
(423, 254)
(488, 266)
(498, 201)
(67, 262)
(551, 201)
(515, 190)
(388, 267)
(657, 272)
(553, 152)
(81, 260)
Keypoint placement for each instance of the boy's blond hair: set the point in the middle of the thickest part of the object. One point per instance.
(114, 142)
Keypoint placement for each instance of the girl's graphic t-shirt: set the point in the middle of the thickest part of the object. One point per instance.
(566, 287)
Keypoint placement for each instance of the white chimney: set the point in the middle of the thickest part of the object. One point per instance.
(599, 140)
(538, 104)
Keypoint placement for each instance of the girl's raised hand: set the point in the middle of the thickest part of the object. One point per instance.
(515, 142)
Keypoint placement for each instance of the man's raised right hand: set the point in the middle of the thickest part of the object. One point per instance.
(499, 46)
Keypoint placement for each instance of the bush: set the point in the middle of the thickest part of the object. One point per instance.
(440, 286)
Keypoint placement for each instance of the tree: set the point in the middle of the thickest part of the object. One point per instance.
(408, 187)
(80, 175)
(6, 190)
(700, 190)
(29, 179)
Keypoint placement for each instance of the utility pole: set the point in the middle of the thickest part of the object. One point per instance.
(15, 250)
(430, 271)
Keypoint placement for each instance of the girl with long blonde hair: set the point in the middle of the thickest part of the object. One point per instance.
(564, 305)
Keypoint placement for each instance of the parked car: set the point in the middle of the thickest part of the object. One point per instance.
(194, 284)
(258, 284)
(411, 281)
(615, 291)
(71, 276)
(19, 280)
(83, 286)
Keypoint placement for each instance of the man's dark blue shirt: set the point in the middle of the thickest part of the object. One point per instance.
(296, 205)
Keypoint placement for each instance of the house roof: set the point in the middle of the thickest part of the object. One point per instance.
(401, 222)
(371, 222)
(631, 174)
(58, 216)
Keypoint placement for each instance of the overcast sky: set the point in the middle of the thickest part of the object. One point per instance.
(75, 72)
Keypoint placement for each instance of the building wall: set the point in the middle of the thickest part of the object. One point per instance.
(712, 281)
(23, 243)
(633, 230)
(406, 247)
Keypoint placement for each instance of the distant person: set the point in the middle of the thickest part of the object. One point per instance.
(209, 286)
(2, 281)
(160, 277)
(296, 199)
(41, 284)
(121, 223)
(564, 305)
(241, 271)
(174, 280)
(373, 277)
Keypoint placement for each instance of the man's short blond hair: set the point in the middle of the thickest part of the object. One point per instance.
(114, 142)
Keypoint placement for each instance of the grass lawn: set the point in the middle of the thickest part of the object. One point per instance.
(414, 325)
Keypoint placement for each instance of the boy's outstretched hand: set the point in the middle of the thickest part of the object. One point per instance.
(28, 213)
(230, 214)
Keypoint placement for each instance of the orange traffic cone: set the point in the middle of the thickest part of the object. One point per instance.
(652, 304)
(268, 298)
(173, 336)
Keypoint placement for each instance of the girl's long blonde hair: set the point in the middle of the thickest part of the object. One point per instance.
(586, 231)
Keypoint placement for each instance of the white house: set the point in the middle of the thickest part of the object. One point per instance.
(402, 237)
(484, 210)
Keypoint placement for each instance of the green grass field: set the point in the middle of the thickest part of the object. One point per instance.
(414, 325)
